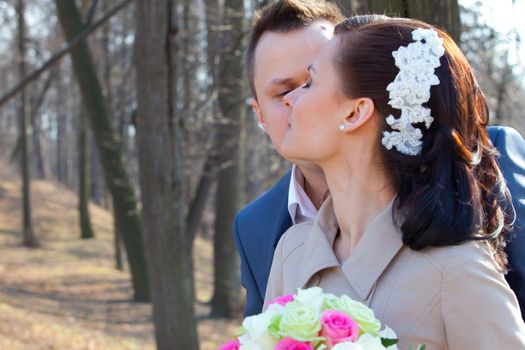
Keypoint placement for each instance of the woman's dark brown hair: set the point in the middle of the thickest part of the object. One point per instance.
(454, 190)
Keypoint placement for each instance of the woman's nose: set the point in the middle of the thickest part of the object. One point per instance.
(291, 97)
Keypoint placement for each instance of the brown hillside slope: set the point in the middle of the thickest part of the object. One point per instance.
(67, 293)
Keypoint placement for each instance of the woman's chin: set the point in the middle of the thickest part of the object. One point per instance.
(296, 157)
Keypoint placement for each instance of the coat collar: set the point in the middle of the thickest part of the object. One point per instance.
(318, 252)
(380, 243)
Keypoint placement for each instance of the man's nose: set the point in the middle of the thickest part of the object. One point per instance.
(290, 98)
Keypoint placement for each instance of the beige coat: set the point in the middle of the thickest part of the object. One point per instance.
(446, 298)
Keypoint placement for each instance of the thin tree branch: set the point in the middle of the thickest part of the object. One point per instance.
(56, 57)
(91, 12)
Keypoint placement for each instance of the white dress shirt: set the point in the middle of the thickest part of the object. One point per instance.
(300, 206)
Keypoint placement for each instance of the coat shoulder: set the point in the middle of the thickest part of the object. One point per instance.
(294, 238)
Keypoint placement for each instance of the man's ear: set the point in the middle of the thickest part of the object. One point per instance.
(362, 110)
(257, 110)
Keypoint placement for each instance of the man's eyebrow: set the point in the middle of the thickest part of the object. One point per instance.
(281, 81)
(274, 83)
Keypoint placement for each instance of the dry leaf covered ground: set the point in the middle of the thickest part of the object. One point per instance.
(66, 294)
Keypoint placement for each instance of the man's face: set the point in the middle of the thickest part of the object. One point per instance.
(281, 63)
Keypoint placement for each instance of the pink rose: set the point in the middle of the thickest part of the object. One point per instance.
(292, 344)
(230, 345)
(285, 299)
(338, 327)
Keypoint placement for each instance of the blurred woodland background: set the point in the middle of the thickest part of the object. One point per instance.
(127, 145)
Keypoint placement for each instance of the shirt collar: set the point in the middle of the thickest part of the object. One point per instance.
(300, 207)
(380, 243)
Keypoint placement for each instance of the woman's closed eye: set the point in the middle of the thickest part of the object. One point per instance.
(307, 84)
(283, 93)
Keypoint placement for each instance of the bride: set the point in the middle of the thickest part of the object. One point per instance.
(414, 225)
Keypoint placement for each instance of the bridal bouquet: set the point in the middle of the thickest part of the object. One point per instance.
(312, 320)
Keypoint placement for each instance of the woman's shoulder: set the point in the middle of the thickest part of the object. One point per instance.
(466, 255)
(474, 283)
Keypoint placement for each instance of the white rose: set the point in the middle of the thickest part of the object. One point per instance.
(347, 346)
(257, 336)
(369, 342)
(388, 333)
(311, 297)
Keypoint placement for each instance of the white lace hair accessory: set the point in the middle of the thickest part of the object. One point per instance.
(411, 88)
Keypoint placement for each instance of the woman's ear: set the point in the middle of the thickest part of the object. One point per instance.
(362, 110)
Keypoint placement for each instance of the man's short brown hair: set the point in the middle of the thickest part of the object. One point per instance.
(284, 16)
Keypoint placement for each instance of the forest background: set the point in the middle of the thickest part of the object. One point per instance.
(127, 145)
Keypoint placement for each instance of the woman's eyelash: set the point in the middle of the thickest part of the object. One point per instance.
(307, 84)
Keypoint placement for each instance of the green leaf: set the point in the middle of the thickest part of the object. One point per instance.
(389, 342)
(419, 347)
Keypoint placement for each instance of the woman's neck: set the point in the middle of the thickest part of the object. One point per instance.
(360, 190)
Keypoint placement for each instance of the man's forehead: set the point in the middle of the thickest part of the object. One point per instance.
(283, 58)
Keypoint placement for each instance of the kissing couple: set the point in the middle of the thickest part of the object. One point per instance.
(400, 194)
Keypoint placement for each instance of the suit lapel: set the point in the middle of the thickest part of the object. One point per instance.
(276, 221)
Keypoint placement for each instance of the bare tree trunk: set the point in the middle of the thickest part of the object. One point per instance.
(198, 202)
(502, 84)
(61, 142)
(29, 239)
(38, 152)
(38, 146)
(213, 47)
(117, 243)
(188, 62)
(106, 74)
(86, 230)
(98, 187)
(117, 178)
(443, 13)
(160, 143)
(208, 175)
(225, 301)
(388, 7)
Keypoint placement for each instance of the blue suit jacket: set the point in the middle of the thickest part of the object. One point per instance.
(259, 225)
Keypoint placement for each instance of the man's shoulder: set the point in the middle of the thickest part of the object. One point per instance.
(266, 203)
(503, 135)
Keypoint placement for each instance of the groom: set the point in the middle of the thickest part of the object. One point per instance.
(286, 37)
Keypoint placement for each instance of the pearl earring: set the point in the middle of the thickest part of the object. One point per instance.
(342, 127)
